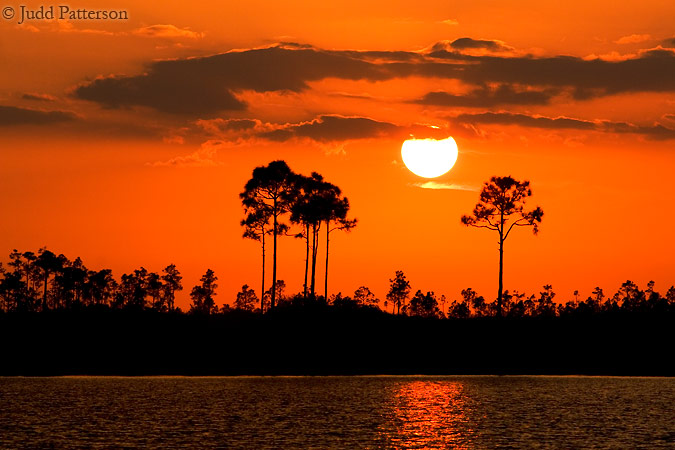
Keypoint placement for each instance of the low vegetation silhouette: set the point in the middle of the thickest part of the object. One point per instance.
(43, 281)
(44, 294)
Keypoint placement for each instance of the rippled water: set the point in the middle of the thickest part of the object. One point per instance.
(338, 412)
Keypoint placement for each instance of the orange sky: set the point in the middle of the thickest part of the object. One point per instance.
(111, 154)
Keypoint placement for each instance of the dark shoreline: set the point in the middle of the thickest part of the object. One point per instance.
(123, 343)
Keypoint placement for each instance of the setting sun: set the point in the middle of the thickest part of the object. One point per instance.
(429, 158)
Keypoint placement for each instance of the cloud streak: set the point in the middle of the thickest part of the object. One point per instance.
(655, 131)
(436, 185)
(12, 115)
(38, 97)
(633, 39)
(167, 31)
(205, 156)
(333, 128)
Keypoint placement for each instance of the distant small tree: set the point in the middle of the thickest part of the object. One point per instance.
(459, 310)
(670, 296)
(501, 208)
(171, 279)
(155, 291)
(16, 283)
(278, 293)
(630, 296)
(363, 296)
(545, 306)
(246, 299)
(49, 263)
(399, 290)
(650, 293)
(133, 289)
(506, 304)
(12, 291)
(202, 295)
(441, 301)
(102, 286)
(475, 302)
(423, 305)
(518, 307)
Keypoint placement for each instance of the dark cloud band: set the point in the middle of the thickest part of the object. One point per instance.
(207, 85)
(485, 97)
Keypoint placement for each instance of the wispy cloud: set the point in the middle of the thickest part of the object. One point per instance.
(633, 39)
(167, 31)
(38, 97)
(61, 26)
(451, 22)
(445, 186)
(204, 157)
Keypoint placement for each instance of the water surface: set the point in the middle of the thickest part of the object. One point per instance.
(338, 412)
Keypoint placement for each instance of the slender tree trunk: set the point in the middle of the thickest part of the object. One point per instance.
(315, 240)
(262, 286)
(44, 297)
(501, 276)
(274, 258)
(325, 285)
(306, 256)
(501, 263)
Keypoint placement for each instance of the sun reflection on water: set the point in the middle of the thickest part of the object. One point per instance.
(431, 414)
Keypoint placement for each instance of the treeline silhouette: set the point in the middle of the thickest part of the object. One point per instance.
(43, 281)
(57, 317)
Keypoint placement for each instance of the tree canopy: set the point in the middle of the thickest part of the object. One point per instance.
(501, 208)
